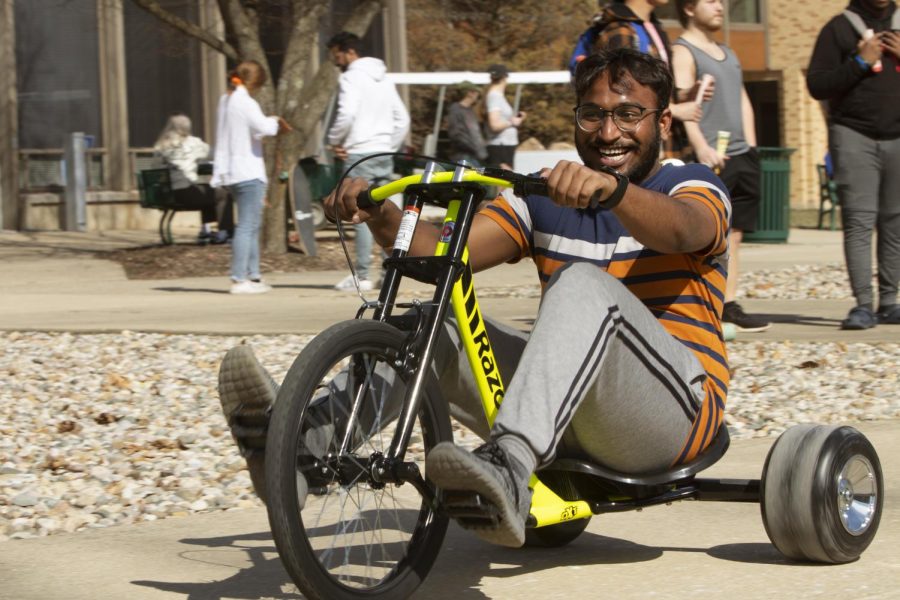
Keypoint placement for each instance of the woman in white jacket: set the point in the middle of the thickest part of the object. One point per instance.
(238, 166)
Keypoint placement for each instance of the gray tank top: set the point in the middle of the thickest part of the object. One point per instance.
(723, 111)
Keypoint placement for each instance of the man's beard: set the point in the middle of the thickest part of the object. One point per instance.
(647, 158)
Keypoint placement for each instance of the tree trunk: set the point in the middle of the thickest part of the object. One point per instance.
(302, 103)
(303, 111)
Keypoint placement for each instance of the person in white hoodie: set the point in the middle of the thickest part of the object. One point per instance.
(370, 119)
(239, 167)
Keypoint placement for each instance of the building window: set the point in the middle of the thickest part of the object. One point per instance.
(164, 75)
(57, 72)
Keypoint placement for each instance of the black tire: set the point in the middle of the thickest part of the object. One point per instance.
(821, 493)
(350, 539)
(554, 536)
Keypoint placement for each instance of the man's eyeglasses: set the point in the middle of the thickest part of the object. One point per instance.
(627, 117)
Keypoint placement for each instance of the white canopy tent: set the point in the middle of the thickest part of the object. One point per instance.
(449, 78)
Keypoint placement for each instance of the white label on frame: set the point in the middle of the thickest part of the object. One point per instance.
(407, 229)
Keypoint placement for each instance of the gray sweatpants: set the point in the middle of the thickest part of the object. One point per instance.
(867, 173)
(598, 376)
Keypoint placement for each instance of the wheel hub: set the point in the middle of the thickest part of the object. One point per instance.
(857, 494)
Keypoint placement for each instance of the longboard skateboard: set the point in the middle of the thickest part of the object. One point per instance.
(301, 205)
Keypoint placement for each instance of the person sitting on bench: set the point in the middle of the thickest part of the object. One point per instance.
(181, 152)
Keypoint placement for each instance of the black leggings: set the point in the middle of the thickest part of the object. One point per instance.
(198, 197)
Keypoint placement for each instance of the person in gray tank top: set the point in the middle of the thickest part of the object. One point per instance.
(725, 137)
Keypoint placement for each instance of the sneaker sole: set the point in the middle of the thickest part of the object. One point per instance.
(856, 327)
(453, 469)
(247, 393)
(751, 329)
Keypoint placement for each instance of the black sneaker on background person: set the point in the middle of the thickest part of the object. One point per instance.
(859, 318)
(734, 313)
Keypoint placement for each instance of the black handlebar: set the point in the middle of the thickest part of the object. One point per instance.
(364, 199)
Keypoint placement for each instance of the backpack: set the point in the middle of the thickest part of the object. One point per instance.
(860, 27)
(587, 41)
(584, 46)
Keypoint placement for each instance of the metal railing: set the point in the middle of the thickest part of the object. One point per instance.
(43, 170)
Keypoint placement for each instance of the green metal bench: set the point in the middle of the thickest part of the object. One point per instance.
(828, 196)
(155, 187)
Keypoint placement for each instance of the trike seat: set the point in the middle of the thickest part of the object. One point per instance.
(571, 477)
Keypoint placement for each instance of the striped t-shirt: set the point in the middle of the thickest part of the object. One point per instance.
(684, 291)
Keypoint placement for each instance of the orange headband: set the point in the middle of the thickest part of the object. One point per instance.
(236, 81)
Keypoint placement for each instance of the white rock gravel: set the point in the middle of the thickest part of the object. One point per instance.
(103, 429)
(798, 282)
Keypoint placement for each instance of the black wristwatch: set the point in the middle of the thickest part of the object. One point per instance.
(618, 193)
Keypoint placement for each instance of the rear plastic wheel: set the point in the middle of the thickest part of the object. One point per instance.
(822, 493)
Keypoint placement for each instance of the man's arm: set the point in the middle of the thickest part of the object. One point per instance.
(348, 104)
(401, 121)
(685, 78)
(488, 244)
(748, 118)
(670, 225)
(830, 73)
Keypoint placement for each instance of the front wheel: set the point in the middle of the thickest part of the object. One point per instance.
(340, 533)
(822, 493)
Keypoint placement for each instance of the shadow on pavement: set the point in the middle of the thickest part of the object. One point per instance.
(799, 319)
(191, 290)
(265, 578)
(459, 572)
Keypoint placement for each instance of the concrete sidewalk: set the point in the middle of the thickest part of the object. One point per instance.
(51, 281)
(686, 550)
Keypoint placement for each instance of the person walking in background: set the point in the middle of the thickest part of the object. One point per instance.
(864, 142)
(463, 127)
(370, 119)
(725, 137)
(180, 152)
(502, 122)
(239, 167)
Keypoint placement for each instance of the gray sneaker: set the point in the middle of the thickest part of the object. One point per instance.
(247, 393)
(485, 490)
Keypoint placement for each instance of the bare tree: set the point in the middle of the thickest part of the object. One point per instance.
(301, 100)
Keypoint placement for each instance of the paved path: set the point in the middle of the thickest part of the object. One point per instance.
(50, 281)
(715, 549)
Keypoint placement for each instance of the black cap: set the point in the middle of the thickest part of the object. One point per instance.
(498, 71)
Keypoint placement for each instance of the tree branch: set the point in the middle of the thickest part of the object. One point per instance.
(301, 47)
(188, 28)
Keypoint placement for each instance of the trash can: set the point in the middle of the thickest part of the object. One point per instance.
(322, 178)
(775, 196)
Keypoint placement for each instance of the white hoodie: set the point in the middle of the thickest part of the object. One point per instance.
(370, 115)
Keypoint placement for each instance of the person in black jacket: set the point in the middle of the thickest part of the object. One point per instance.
(858, 76)
(463, 128)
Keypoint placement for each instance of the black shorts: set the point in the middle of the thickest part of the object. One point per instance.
(741, 177)
(500, 154)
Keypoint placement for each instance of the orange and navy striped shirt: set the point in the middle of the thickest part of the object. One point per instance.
(685, 292)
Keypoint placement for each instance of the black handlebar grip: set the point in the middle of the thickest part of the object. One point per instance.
(364, 199)
(530, 186)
